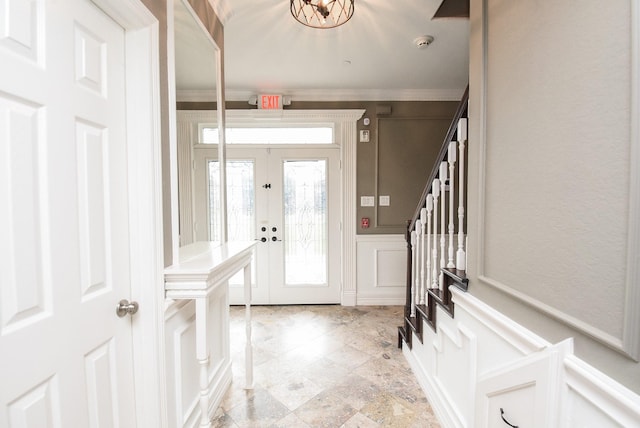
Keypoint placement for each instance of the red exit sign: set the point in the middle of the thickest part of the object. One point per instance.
(270, 102)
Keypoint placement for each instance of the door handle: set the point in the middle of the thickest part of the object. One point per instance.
(124, 308)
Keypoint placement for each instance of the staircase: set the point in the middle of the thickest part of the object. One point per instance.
(436, 247)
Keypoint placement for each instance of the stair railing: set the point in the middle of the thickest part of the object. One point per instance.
(435, 260)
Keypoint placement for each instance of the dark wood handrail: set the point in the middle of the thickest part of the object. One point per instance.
(453, 127)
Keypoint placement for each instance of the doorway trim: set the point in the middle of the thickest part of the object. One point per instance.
(144, 172)
(345, 130)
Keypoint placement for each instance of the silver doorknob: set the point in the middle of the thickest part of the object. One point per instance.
(124, 308)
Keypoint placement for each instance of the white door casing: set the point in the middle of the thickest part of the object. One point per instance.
(345, 133)
(66, 358)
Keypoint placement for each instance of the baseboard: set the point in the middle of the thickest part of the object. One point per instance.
(380, 301)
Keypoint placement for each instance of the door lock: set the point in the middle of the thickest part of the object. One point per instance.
(124, 308)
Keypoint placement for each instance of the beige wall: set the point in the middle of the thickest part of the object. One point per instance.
(549, 219)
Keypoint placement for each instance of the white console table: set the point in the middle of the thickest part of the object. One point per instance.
(202, 268)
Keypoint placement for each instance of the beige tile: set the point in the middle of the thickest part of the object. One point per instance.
(349, 357)
(357, 391)
(389, 411)
(360, 421)
(260, 409)
(294, 393)
(325, 410)
(290, 421)
(323, 366)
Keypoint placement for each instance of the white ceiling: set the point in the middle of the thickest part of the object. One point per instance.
(371, 57)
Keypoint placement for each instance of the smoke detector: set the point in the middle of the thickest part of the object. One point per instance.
(423, 41)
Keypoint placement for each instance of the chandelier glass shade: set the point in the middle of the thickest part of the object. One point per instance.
(322, 13)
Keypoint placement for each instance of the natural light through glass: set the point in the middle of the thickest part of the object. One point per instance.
(241, 218)
(299, 135)
(240, 200)
(305, 222)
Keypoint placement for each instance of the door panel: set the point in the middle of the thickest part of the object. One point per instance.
(295, 195)
(66, 358)
(305, 259)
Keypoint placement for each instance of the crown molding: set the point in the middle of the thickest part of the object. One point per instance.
(331, 95)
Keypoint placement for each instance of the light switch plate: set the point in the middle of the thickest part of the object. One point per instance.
(364, 135)
(384, 201)
(367, 201)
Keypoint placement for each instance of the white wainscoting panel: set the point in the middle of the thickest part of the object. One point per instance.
(481, 361)
(381, 269)
(183, 371)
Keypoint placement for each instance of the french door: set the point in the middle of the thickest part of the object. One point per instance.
(288, 199)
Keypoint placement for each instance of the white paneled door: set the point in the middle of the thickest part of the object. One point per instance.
(288, 199)
(65, 357)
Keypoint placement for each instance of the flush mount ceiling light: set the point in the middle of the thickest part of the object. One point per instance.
(322, 13)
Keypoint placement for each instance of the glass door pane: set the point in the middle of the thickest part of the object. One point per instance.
(240, 200)
(305, 222)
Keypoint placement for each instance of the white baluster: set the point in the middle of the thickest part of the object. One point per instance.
(425, 250)
(413, 272)
(435, 189)
(451, 158)
(418, 270)
(461, 257)
(429, 209)
(443, 222)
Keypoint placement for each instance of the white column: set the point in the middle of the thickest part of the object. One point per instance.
(418, 253)
(248, 349)
(451, 159)
(443, 222)
(461, 257)
(421, 290)
(413, 272)
(429, 210)
(202, 354)
(435, 189)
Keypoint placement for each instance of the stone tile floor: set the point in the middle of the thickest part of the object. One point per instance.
(323, 366)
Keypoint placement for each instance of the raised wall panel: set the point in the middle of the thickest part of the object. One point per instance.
(186, 370)
(93, 197)
(101, 385)
(218, 327)
(556, 203)
(90, 60)
(26, 288)
(182, 366)
(390, 267)
(22, 29)
(37, 408)
(381, 269)
(455, 362)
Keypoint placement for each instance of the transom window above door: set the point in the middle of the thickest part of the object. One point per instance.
(268, 135)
